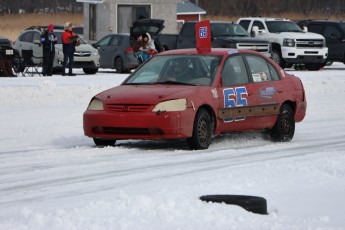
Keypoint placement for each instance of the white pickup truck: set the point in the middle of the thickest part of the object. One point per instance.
(290, 44)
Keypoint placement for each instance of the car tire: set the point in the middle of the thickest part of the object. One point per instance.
(90, 70)
(284, 128)
(17, 63)
(103, 142)
(202, 131)
(118, 64)
(314, 66)
(252, 204)
(277, 58)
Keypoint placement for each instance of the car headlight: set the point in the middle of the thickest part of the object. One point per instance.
(171, 106)
(96, 104)
(95, 53)
(288, 42)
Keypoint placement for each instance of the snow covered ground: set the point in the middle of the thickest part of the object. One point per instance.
(53, 177)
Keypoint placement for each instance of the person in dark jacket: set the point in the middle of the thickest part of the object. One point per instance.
(48, 40)
(69, 41)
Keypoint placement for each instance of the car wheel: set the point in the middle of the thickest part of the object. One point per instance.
(253, 204)
(284, 128)
(277, 58)
(103, 142)
(119, 65)
(17, 63)
(90, 70)
(314, 66)
(202, 131)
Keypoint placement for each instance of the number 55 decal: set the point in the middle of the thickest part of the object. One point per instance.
(235, 97)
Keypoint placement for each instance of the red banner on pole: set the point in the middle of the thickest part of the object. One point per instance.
(203, 36)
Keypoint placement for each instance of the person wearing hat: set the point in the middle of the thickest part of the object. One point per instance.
(69, 41)
(48, 40)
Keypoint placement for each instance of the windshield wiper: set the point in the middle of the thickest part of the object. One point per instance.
(173, 83)
(138, 83)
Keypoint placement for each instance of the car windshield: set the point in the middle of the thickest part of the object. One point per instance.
(282, 26)
(230, 30)
(177, 69)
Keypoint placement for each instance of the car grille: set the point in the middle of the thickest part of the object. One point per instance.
(132, 131)
(264, 48)
(82, 54)
(115, 108)
(309, 43)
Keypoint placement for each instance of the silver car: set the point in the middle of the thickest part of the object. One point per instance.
(85, 57)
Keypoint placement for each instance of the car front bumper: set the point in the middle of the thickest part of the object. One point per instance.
(131, 125)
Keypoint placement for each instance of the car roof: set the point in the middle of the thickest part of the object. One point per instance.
(322, 20)
(265, 19)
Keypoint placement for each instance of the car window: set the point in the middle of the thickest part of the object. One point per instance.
(282, 26)
(227, 29)
(234, 72)
(259, 69)
(273, 71)
(176, 69)
(332, 32)
(59, 36)
(245, 24)
(188, 30)
(115, 41)
(104, 41)
(258, 24)
(316, 28)
(36, 36)
(27, 37)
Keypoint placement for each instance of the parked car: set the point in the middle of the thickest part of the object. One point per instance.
(334, 33)
(290, 44)
(6, 49)
(85, 57)
(6, 53)
(115, 53)
(183, 94)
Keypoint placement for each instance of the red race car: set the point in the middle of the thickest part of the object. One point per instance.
(196, 94)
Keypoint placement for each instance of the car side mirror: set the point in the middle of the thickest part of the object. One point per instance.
(255, 31)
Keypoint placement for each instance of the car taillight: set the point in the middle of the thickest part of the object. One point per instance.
(129, 50)
(14, 42)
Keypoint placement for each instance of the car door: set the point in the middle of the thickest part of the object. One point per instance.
(37, 50)
(334, 41)
(251, 93)
(265, 91)
(104, 51)
(234, 94)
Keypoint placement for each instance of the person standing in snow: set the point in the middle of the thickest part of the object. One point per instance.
(48, 40)
(69, 41)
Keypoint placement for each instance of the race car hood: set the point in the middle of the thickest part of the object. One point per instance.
(145, 94)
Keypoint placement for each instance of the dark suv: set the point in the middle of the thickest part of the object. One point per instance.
(6, 50)
(334, 33)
